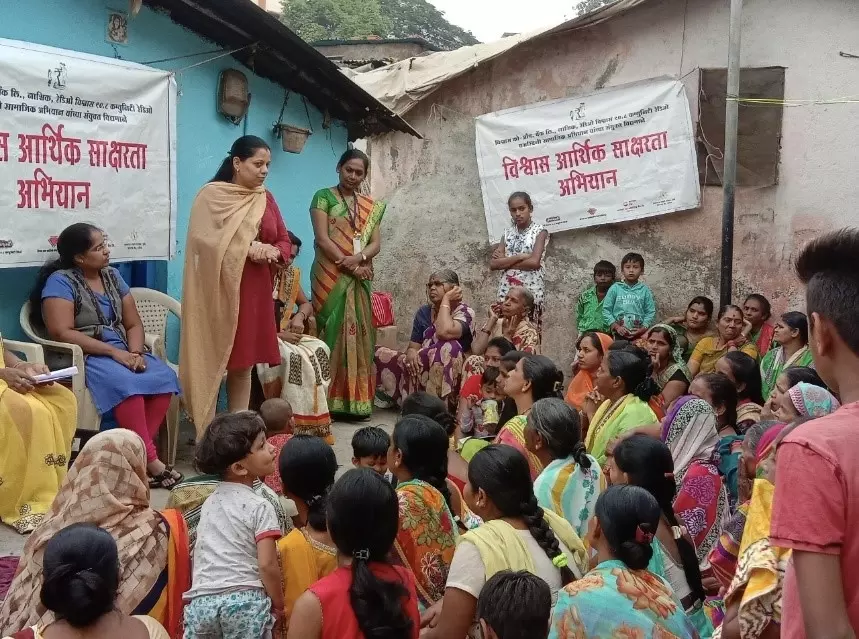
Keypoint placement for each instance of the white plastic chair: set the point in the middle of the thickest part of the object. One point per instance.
(154, 308)
(33, 353)
(88, 416)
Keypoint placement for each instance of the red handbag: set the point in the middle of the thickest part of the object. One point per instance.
(383, 309)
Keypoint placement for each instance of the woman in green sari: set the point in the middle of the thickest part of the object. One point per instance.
(347, 230)
(791, 332)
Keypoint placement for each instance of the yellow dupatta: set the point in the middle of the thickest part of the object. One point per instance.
(612, 420)
(501, 547)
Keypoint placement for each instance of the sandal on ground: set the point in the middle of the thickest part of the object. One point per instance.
(167, 479)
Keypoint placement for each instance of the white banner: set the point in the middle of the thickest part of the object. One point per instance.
(84, 139)
(612, 156)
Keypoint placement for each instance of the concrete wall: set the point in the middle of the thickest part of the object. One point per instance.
(204, 137)
(435, 214)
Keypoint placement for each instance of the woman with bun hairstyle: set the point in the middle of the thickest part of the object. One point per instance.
(107, 487)
(516, 535)
(535, 377)
(620, 597)
(307, 467)
(366, 597)
(427, 532)
(646, 462)
(80, 587)
(571, 480)
(619, 403)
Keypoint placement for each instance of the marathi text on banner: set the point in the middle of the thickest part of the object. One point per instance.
(84, 139)
(613, 156)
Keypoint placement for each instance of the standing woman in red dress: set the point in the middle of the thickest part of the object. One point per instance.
(236, 242)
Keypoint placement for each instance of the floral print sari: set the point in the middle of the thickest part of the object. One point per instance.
(426, 539)
(614, 601)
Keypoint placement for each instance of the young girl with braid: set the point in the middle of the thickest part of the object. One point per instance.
(517, 535)
(640, 460)
(427, 533)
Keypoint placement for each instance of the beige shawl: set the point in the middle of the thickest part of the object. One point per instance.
(106, 486)
(225, 219)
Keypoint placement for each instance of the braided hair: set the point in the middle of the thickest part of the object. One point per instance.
(648, 463)
(502, 473)
(363, 516)
(424, 445)
(559, 426)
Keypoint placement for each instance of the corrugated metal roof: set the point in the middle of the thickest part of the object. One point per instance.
(281, 56)
(402, 85)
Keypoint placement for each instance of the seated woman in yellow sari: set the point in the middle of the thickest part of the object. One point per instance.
(442, 332)
(107, 486)
(428, 532)
(619, 403)
(37, 424)
(307, 554)
(509, 319)
(347, 229)
(729, 338)
(534, 378)
(304, 372)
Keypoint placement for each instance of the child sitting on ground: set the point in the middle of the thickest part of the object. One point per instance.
(279, 422)
(589, 307)
(527, 617)
(370, 449)
(236, 591)
(629, 308)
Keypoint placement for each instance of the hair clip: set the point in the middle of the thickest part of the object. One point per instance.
(363, 554)
(679, 531)
(560, 561)
(669, 475)
(642, 536)
(312, 500)
(558, 387)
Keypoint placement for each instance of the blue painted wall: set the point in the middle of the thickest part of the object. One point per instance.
(204, 137)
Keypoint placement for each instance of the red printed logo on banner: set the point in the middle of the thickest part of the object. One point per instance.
(592, 211)
(53, 240)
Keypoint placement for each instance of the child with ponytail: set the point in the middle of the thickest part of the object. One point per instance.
(366, 597)
(571, 480)
(307, 554)
(646, 462)
(622, 532)
(516, 535)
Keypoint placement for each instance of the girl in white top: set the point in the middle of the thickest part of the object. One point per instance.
(80, 583)
(521, 253)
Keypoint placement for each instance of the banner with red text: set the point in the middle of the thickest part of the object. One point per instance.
(84, 139)
(612, 156)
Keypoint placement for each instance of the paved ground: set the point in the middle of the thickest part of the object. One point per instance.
(11, 543)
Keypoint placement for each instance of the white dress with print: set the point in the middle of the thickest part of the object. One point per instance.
(515, 242)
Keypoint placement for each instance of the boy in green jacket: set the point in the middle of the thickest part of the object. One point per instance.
(589, 305)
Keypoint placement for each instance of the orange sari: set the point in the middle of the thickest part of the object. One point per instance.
(583, 382)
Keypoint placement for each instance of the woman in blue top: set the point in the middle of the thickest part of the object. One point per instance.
(80, 299)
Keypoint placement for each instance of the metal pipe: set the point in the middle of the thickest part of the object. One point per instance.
(729, 176)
